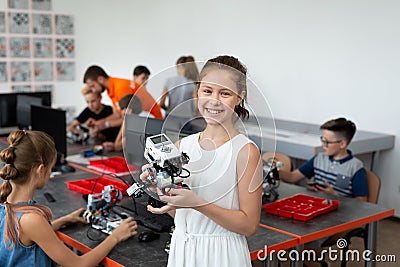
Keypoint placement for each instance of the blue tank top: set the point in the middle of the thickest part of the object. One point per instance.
(20, 255)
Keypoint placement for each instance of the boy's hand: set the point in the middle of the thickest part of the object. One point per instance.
(93, 131)
(75, 130)
(108, 146)
(311, 185)
(90, 122)
(329, 189)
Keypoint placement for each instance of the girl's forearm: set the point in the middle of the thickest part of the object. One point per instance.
(59, 222)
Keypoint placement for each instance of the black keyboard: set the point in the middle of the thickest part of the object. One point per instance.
(155, 222)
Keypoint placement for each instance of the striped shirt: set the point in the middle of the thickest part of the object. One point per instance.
(347, 176)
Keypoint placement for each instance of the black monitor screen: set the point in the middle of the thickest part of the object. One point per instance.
(8, 104)
(24, 103)
(45, 96)
(53, 122)
(176, 127)
(137, 129)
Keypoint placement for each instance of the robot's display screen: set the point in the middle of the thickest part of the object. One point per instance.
(159, 139)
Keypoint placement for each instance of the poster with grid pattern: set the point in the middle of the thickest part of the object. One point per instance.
(37, 46)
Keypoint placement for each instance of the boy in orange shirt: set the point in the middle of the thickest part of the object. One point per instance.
(98, 80)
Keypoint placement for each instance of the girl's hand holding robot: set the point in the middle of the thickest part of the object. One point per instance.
(175, 197)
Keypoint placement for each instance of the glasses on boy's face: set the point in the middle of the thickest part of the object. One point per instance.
(326, 143)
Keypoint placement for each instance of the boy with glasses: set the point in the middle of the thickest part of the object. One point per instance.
(335, 171)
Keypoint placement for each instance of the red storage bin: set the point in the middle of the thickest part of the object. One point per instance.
(286, 211)
(301, 207)
(304, 215)
(86, 186)
(271, 208)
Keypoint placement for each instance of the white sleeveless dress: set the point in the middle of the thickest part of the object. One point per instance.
(197, 240)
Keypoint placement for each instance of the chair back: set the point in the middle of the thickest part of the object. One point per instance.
(374, 186)
(287, 164)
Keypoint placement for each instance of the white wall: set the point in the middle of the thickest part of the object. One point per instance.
(314, 60)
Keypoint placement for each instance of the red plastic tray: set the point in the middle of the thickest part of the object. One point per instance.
(301, 207)
(113, 165)
(86, 186)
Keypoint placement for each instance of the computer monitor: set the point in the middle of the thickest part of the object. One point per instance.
(137, 129)
(8, 108)
(177, 128)
(8, 104)
(53, 122)
(24, 103)
(44, 95)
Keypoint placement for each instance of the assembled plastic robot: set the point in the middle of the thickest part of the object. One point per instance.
(167, 166)
(99, 210)
(271, 180)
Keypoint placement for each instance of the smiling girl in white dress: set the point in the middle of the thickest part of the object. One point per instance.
(223, 204)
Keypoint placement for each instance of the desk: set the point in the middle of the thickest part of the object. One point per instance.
(130, 252)
(350, 214)
(276, 232)
(301, 140)
(267, 241)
